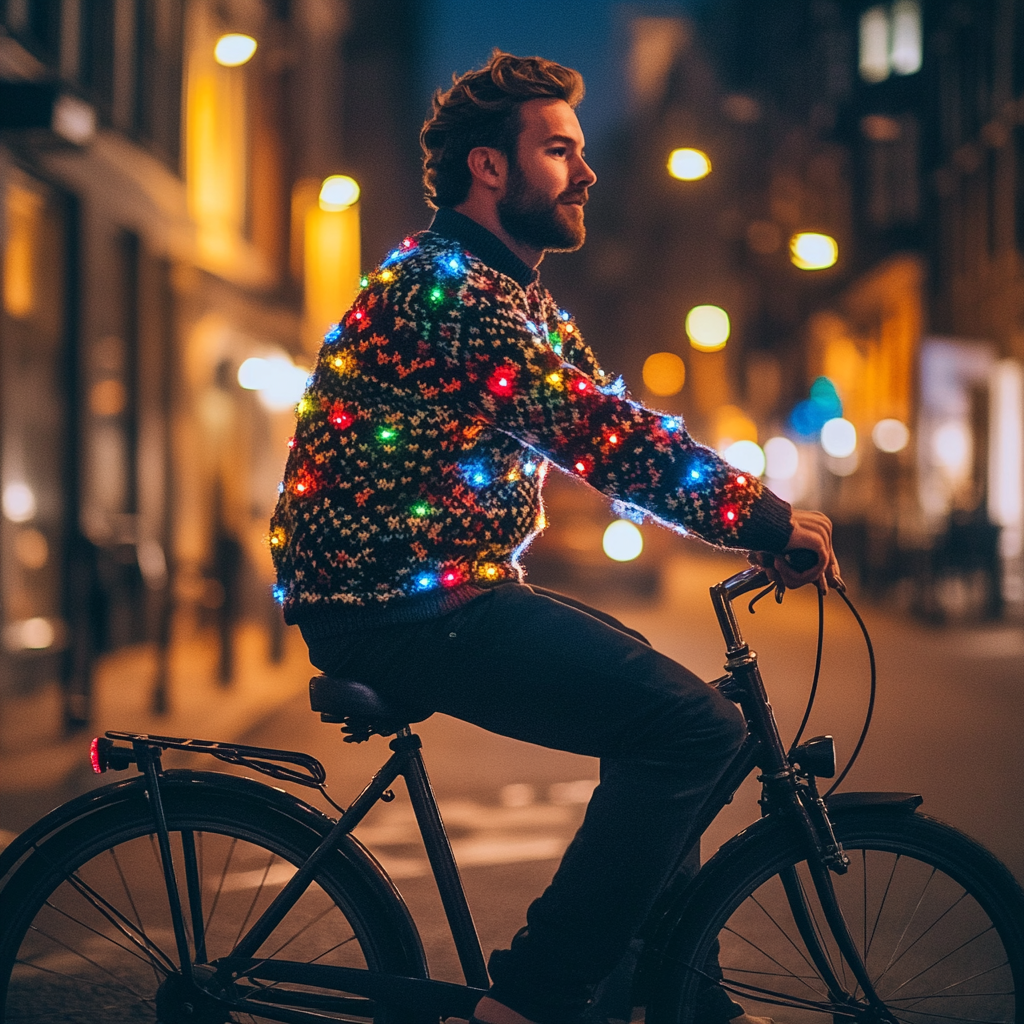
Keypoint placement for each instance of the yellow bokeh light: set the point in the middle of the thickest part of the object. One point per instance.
(707, 327)
(688, 164)
(234, 49)
(809, 250)
(664, 373)
(338, 192)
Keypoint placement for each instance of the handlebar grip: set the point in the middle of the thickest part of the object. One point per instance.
(801, 559)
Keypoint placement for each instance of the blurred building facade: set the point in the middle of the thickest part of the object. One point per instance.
(897, 130)
(158, 217)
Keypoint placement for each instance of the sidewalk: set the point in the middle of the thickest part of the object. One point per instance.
(35, 759)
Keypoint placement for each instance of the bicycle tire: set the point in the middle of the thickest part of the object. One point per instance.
(85, 929)
(938, 920)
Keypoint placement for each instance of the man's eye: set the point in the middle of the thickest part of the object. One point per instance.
(557, 151)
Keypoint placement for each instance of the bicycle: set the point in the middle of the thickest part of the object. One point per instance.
(190, 896)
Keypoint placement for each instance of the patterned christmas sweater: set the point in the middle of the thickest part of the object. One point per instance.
(437, 406)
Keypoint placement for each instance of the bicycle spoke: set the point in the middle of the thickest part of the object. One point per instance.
(89, 960)
(255, 898)
(220, 884)
(120, 922)
(963, 945)
(786, 936)
(783, 969)
(882, 903)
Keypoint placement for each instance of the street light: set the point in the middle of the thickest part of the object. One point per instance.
(234, 49)
(707, 327)
(338, 192)
(809, 250)
(688, 164)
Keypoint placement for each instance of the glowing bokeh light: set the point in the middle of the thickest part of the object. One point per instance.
(890, 435)
(664, 373)
(234, 49)
(622, 541)
(782, 458)
(688, 164)
(746, 455)
(707, 327)
(338, 192)
(809, 250)
(839, 438)
(951, 447)
(19, 502)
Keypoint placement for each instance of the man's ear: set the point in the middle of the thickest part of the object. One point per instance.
(489, 167)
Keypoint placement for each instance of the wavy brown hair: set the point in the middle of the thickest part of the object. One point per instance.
(482, 109)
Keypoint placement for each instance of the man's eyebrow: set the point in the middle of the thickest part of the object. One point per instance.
(560, 138)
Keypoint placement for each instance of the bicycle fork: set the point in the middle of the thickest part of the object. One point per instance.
(825, 854)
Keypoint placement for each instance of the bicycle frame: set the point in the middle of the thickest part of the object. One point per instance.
(785, 792)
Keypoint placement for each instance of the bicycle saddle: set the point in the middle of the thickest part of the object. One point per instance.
(361, 711)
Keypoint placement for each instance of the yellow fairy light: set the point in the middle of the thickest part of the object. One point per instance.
(513, 474)
(488, 571)
(305, 405)
(277, 537)
(342, 362)
(554, 378)
(386, 275)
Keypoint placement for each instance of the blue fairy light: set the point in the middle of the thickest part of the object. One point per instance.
(280, 487)
(333, 334)
(529, 468)
(476, 474)
(425, 581)
(671, 423)
(532, 327)
(450, 264)
(563, 315)
(278, 593)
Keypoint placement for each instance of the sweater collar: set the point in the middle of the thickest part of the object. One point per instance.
(483, 244)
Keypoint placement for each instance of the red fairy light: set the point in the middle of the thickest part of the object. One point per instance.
(452, 577)
(741, 480)
(291, 442)
(581, 386)
(502, 381)
(407, 243)
(729, 513)
(583, 465)
(339, 417)
(304, 483)
(613, 438)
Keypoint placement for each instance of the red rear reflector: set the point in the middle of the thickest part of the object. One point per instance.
(94, 757)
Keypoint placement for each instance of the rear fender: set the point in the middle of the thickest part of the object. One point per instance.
(174, 786)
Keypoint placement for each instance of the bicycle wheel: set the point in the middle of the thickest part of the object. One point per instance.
(86, 934)
(937, 920)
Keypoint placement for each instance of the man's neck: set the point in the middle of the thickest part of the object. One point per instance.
(486, 215)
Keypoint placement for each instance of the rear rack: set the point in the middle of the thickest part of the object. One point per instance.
(286, 765)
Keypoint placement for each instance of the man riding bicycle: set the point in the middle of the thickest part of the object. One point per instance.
(413, 486)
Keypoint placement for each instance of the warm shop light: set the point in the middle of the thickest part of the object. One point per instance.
(839, 438)
(688, 164)
(707, 327)
(622, 541)
(234, 49)
(746, 455)
(664, 373)
(782, 458)
(890, 435)
(338, 192)
(809, 250)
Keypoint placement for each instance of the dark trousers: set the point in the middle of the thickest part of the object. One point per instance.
(540, 667)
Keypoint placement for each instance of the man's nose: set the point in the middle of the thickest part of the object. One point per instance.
(584, 175)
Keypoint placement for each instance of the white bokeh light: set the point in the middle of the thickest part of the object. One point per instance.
(839, 438)
(890, 435)
(19, 502)
(622, 541)
(279, 382)
(951, 447)
(782, 458)
(746, 455)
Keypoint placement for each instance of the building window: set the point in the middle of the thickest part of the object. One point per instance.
(157, 114)
(890, 40)
(35, 24)
(97, 63)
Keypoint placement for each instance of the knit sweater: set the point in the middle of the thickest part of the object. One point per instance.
(437, 406)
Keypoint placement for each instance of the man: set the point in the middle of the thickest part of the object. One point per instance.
(413, 485)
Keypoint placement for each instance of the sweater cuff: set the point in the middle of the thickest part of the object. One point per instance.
(770, 524)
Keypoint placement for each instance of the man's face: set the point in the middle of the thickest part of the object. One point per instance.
(548, 180)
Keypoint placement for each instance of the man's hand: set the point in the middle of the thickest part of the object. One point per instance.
(812, 531)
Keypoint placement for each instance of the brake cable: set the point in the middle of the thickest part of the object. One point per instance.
(817, 674)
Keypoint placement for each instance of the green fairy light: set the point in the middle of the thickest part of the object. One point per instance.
(421, 508)
(364, 281)
(386, 434)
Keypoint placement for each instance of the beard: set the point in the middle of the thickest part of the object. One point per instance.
(539, 221)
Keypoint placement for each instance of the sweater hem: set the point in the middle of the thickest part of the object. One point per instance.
(324, 620)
